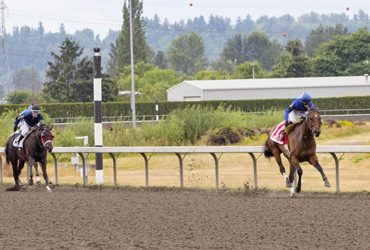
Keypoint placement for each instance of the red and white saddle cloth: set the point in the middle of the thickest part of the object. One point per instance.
(275, 135)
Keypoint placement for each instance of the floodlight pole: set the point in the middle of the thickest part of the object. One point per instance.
(132, 99)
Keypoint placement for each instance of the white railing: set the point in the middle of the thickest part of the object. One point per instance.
(181, 151)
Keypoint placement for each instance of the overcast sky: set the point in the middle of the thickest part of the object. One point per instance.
(103, 15)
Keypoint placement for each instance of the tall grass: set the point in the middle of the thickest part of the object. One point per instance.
(182, 127)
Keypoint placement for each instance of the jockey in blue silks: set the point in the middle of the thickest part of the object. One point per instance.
(27, 119)
(297, 110)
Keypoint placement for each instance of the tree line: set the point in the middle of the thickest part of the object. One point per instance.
(248, 49)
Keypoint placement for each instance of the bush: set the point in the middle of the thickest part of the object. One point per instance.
(224, 136)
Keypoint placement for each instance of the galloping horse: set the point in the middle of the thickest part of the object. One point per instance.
(302, 147)
(35, 147)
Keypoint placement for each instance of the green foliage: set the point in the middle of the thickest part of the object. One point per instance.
(27, 78)
(160, 60)
(142, 50)
(345, 55)
(293, 63)
(254, 47)
(70, 77)
(322, 34)
(212, 75)
(186, 53)
(246, 69)
(19, 97)
(67, 136)
(151, 81)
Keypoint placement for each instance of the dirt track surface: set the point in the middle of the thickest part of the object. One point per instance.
(93, 218)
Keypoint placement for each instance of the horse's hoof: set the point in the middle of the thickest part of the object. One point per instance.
(288, 184)
(297, 190)
(327, 184)
(15, 188)
(30, 182)
(48, 189)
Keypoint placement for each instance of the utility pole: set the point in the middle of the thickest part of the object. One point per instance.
(3, 7)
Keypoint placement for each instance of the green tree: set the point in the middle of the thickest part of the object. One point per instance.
(186, 54)
(142, 52)
(22, 96)
(255, 47)
(245, 71)
(235, 50)
(160, 60)
(293, 63)
(70, 78)
(321, 35)
(27, 78)
(345, 55)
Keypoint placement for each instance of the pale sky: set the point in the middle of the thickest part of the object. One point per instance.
(101, 16)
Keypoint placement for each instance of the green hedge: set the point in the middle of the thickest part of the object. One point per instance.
(55, 110)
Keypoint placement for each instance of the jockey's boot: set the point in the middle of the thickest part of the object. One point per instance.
(282, 135)
(19, 140)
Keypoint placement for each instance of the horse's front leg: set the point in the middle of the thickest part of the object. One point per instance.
(294, 165)
(38, 182)
(30, 179)
(45, 175)
(315, 162)
(299, 184)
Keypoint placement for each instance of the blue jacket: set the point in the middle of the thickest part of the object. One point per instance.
(28, 118)
(297, 104)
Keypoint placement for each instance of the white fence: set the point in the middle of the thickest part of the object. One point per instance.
(215, 151)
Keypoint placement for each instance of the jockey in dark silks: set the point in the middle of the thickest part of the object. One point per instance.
(27, 119)
(297, 110)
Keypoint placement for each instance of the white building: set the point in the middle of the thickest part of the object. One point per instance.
(276, 88)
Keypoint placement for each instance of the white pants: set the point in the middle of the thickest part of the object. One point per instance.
(295, 115)
(24, 127)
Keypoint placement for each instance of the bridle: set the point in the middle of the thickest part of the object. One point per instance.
(311, 124)
(45, 137)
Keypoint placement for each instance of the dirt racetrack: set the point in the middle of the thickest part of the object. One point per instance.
(138, 218)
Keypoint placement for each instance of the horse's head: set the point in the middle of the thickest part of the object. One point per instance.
(314, 122)
(46, 137)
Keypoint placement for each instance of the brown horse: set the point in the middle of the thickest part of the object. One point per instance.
(302, 147)
(35, 147)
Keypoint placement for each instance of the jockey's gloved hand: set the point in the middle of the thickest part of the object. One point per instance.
(15, 128)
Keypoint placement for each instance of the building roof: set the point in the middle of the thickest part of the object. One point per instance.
(271, 83)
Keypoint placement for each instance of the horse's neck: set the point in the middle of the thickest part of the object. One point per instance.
(303, 130)
(34, 138)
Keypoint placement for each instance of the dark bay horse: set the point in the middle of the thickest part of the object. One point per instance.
(35, 147)
(302, 147)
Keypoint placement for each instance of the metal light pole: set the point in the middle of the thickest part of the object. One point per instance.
(132, 99)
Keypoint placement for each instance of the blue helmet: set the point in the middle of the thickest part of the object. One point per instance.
(306, 98)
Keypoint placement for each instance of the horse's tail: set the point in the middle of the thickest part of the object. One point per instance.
(267, 151)
(7, 150)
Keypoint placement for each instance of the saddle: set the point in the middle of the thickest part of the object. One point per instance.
(15, 140)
